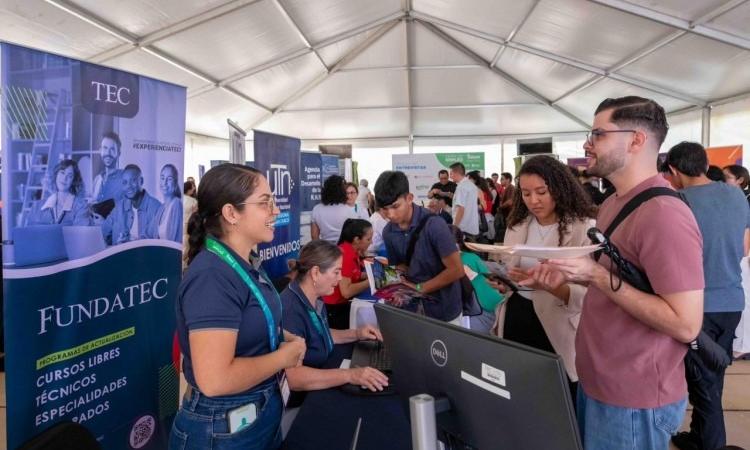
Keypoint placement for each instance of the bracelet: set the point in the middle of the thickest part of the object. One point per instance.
(418, 287)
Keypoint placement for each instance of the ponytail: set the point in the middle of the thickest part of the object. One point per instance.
(196, 229)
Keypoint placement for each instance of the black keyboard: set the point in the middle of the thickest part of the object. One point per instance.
(372, 354)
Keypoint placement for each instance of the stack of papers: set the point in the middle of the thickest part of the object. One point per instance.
(529, 251)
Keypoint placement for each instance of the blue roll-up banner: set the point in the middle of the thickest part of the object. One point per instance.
(278, 158)
(92, 228)
(311, 182)
(329, 166)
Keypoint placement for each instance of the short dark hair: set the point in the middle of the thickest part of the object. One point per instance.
(115, 137)
(391, 185)
(133, 168)
(458, 167)
(637, 111)
(688, 158)
(507, 175)
(442, 171)
(354, 228)
(714, 173)
(739, 172)
(494, 174)
(187, 186)
(333, 192)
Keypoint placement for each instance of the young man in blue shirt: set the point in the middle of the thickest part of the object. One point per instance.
(723, 218)
(435, 267)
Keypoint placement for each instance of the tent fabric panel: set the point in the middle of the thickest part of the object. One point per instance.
(140, 62)
(350, 124)
(388, 50)
(208, 113)
(464, 86)
(488, 16)
(357, 89)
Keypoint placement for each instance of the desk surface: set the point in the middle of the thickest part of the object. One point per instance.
(327, 419)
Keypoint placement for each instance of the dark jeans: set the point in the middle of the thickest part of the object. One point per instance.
(705, 386)
(338, 315)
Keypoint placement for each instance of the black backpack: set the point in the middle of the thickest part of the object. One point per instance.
(469, 300)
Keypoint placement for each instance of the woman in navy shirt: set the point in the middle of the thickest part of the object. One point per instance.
(229, 320)
(318, 272)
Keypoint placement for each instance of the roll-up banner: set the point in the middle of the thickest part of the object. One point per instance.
(92, 231)
(422, 169)
(278, 158)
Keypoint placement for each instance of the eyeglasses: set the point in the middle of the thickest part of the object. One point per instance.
(270, 204)
(351, 192)
(596, 134)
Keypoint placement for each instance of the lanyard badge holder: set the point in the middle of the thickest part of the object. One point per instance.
(274, 337)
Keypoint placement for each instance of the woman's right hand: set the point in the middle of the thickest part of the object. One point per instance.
(369, 378)
(293, 351)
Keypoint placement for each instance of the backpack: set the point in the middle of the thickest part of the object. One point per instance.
(470, 304)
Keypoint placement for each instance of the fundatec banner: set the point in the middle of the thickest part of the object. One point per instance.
(92, 240)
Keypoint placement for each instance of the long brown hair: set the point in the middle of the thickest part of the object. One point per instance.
(571, 201)
(224, 184)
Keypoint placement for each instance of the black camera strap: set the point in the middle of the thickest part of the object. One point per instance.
(633, 204)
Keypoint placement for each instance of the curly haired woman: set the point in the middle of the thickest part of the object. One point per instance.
(550, 209)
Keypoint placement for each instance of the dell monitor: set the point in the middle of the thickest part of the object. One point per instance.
(499, 394)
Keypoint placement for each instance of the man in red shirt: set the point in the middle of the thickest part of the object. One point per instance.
(631, 344)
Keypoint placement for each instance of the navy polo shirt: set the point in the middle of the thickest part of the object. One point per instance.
(435, 242)
(213, 296)
(297, 320)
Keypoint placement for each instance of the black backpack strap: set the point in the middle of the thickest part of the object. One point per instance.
(415, 235)
(637, 201)
(633, 204)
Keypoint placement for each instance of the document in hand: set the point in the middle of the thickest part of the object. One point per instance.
(385, 283)
(529, 251)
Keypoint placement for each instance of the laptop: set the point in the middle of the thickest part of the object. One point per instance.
(82, 241)
(371, 354)
(38, 244)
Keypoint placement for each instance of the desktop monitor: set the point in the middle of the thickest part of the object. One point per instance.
(501, 395)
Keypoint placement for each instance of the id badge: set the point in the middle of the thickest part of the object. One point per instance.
(284, 388)
(242, 417)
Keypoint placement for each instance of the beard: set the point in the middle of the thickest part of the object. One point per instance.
(604, 167)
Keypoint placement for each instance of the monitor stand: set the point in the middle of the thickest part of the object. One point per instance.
(422, 411)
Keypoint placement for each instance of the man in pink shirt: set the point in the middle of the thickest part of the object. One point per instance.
(631, 344)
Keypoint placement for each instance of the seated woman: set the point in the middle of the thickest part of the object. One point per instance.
(66, 205)
(319, 271)
(487, 290)
(356, 237)
(550, 209)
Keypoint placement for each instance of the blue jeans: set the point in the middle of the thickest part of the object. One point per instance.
(201, 422)
(608, 427)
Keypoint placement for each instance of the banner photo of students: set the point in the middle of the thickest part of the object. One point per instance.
(422, 169)
(329, 166)
(278, 158)
(92, 230)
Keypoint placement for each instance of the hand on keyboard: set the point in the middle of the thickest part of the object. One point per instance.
(369, 332)
(368, 378)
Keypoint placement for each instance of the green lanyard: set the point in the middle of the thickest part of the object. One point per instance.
(324, 332)
(214, 247)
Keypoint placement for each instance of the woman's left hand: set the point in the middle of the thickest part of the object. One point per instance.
(368, 333)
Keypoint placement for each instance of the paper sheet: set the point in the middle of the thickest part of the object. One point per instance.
(535, 252)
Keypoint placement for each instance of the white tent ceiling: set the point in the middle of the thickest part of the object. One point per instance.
(347, 69)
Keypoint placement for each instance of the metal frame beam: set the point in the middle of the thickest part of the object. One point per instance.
(407, 107)
(468, 52)
(561, 59)
(676, 22)
(513, 32)
(296, 54)
(171, 30)
(409, 31)
(336, 67)
(87, 16)
(299, 32)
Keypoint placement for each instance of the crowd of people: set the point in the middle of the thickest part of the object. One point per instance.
(629, 346)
